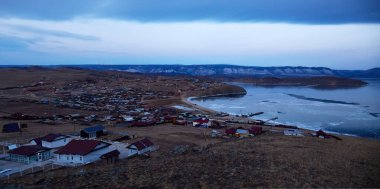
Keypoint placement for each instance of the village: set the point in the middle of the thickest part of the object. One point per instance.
(99, 119)
(101, 143)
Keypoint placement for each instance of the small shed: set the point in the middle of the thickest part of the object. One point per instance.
(11, 127)
(93, 132)
(293, 132)
(111, 156)
(124, 137)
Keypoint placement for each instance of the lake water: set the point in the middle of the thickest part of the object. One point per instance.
(346, 111)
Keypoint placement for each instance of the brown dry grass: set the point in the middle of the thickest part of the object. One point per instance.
(269, 160)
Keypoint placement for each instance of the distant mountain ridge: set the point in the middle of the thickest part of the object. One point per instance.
(233, 70)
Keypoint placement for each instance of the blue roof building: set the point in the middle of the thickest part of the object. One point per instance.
(93, 132)
(11, 127)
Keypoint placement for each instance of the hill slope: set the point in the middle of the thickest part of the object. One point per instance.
(231, 70)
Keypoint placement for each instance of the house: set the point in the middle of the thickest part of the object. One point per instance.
(322, 134)
(230, 131)
(128, 118)
(215, 124)
(74, 116)
(180, 122)
(82, 151)
(11, 127)
(144, 123)
(55, 140)
(202, 122)
(30, 153)
(170, 119)
(140, 147)
(215, 133)
(93, 132)
(293, 132)
(242, 133)
(256, 130)
(51, 140)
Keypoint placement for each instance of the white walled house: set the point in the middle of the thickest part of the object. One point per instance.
(202, 122)
(128, 118)
(81, 152)
(51, 141)
(293, 132)
(55, 141)
(140, 147)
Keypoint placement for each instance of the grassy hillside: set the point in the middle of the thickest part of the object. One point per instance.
(269, 160)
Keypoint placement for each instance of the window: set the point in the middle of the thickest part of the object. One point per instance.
(80, 158)
(72, 157)
(67, 157)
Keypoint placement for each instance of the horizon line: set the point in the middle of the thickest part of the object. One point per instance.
(234, 65)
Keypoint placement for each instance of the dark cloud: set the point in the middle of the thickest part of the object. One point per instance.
(296, 11)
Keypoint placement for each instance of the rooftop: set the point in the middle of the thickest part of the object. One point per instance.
(144, 143)
(94, 128)
(111, 154)
(80, 147)
(27, 150)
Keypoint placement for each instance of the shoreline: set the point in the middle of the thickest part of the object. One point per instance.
(207, 110)
(187, 100)
(218, 95)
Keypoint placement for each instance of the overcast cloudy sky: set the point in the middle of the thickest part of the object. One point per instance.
(341, 34)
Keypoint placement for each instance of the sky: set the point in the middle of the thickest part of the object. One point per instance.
(339, 34)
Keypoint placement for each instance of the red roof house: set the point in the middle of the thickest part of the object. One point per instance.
(230, 131)
(256, 130)
(140, 147)
(82, 151)
(202, 122)
(29, 153)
